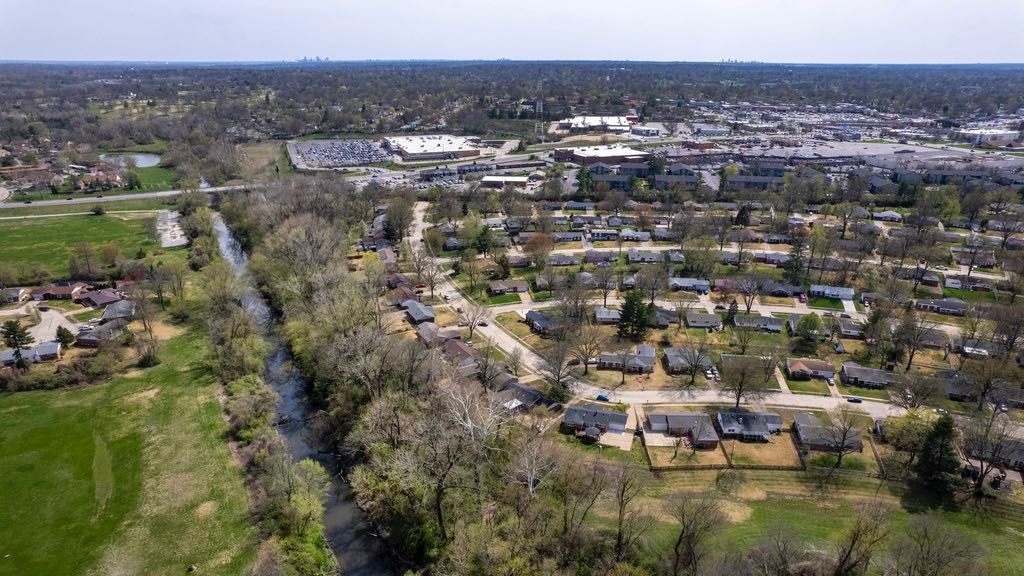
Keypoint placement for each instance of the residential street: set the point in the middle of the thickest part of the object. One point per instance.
(533, 362)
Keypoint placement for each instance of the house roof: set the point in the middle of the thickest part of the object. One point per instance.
(749, 423)
(697, 424)
(866, 374)
(813, 431)
(809, 365)
(587, 415)
(602, 313)
(119, 309)
(682, 356)
(418, 311)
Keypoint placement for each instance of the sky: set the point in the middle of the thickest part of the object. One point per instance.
(792, 31)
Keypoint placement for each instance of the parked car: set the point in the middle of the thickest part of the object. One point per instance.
(941, 411)
(854, 399)
(481, 323)
(574, 362)
(803, 297)
(602, 397)
(839, 348)
(845, 315)
(830, 381)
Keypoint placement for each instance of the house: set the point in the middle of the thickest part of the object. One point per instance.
(598, 234)
(749, 426)
(947, 306)
(507, 286)
(696, 319)
(541, 323)
(690, 285)
(681, 359)
(664, 234)
(388, 257)
(887, 216)
(628, 235)
(807, 368)
(832, 292)
(598, 257)
(973, 256)
(582, 417)
(813, 434)
(774, 258)
(758, 322)
(635, 256)
(957, 385)
(120, 310)
(418, 311)
(567, 236)
(696, 426)
(461, 355)
(777, 239)
(515, 396)
(779, 289)
(640, 362)
(89, 337)
(432, 336)
(853, 374)
(850, 329)
(15, 295)
(60, 291)
(581, 206)
(604, 315)
(676, 257)
(563, 260)
(44, 352)
(99, 298)
(668, 181)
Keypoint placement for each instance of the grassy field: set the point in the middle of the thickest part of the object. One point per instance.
(153, 179)
(156, 178)
(49, 241)
(128, 477)
(121, 205)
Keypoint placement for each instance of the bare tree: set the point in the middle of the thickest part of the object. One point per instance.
(929, 547)
(652, 280)
(475, 314)
(743, 379)
(744, 335)
(779, 553)
(577, 486)
(853, 553)
(695, 354)
(987, 438)
(842, 435)
(514, 361)
(432, 275)
(532, 462)
(683, 303)
(419, 259)
(605, 279)
(588, 344)
(912, 334)
(698, 515)
(989, 376)
(556, 362)
(918, 390)
(751, 286)
(628, 483)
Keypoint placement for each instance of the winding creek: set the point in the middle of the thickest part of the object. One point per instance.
(350, 536)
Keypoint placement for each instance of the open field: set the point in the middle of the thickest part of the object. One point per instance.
(121, 205)
(49, 241)
(132, 476)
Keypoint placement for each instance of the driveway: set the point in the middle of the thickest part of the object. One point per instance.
(46, 329)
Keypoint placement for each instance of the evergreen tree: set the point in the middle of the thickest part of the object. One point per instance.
(17, 336)
(734, 309)
(938, 463)
(633, 323)
(793, 269)
(64, 336)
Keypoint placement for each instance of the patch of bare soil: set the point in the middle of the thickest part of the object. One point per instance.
(735, 512)
(206, 509)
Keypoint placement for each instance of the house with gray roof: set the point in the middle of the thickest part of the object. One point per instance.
(120, 310)
(696, 426)
(840, 292)
(853, 374)
(814, 434)
(758, 322)
(581, 417)
(635, 256)
(629, 235)
(563, 260)
(418, 311)
(680, 359)
(690, 285)
(93, 337)
(639, 362)
(604, 315)
(947, 306)
(748, 426)
(696, 319)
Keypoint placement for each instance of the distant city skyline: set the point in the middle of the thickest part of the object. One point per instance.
(792, 31)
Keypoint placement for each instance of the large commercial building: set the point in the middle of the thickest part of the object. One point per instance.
(582, 124)
(603, 154)
(434, 147)
(979, 135)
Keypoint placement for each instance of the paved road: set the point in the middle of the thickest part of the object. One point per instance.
(534, 363)
(115, 198)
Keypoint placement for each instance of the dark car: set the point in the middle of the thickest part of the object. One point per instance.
(854, 399)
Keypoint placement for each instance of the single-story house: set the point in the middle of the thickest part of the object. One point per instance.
(807, 368)
(815, 435)
(598, 257)
(508, 286)
(850, 329)
(696, 319)
(17, 294)
(563, 260)
(957, 385)
(598, 234)
(89, 337)
(60, 291)
(839, 292)
(640, 362)
(604, 315)
(854, 374)
(120, 310)
(697, 426)
(635, 256)
(44, 352)
(948, 306)
(461, 355)
(690, 285)
(451, 244)
(628, 235)
(749, 426)
(432, 336)
(515, 396)
(583, 416)
(758, 322)
(418, 311)
(567, 236)
(680, 359)
(99, 298)
(887, 216)
(541, 322)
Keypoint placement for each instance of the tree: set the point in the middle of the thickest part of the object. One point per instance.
(84, 262)
(605, 279)
(432, 275)
(475, 314)
(696, 354)
(912, 334)
(743, 379)
(810, 327)
(987, 438)
(794, 268)
(730, 315)
(842, 434)
(652, 280)
(627, 483)
(918, 390)
(514, 361)
(532, 462)
(698, 516)
(744, 335)
(988, 376)
(65, 337)
(928, 546)
(17, 336)
(556, 365)
(177, 275)
(538, 247)
(939, 464)
(588, 344)
(853, 553)
(633, 322)
(751, 286)
(577, 486)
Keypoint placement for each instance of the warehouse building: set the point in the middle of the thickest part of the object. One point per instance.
(433, 147)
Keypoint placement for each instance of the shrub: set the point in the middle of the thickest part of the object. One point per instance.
(98, 210)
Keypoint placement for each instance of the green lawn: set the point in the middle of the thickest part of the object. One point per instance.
(130, 476)
(823, 302)
(503, 299)
(139, 204)
(157, 178)
(812, 386)
(49, 241)
(153, 179)
(968, 295)
(863, 392)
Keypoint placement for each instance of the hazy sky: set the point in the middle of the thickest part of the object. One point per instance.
(840, 31)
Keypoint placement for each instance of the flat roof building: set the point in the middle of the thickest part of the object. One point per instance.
(433, 147)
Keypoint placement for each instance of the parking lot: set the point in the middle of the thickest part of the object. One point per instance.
(337, 153)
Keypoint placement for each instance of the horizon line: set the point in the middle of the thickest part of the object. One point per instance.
(734, 62)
